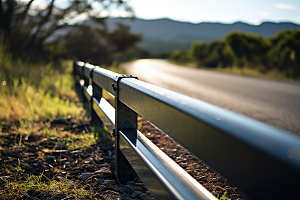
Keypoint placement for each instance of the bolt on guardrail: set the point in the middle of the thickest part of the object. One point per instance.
(261, 160)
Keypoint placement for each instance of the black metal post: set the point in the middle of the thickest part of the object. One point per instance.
(97, 94)
(126, 119)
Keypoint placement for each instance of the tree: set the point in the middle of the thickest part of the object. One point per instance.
(247, 48)
(96, 44)
(211, 54)
(26, 28)
(199, 51)
(285, 52)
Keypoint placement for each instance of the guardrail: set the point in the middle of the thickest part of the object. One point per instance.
(261, 160)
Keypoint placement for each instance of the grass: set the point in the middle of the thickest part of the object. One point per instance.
(252, 72)
(37, 93)
(37, 184)
(273, 74)
(31, 96)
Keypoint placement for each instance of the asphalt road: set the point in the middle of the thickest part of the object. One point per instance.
(276, 103)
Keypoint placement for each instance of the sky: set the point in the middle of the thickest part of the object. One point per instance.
(228, 11)
(196, 11)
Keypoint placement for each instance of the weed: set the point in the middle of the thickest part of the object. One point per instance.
(33, 182)
(2, 141)
(50, 133)
(31, 92)
(81, 193)
(18, 168)
(147, 134)
(79, 141)
(100, 133)
(224, 197)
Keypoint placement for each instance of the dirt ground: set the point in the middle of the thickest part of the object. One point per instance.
(87, 173)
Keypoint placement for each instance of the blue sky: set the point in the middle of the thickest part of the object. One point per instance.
(196, 11)
(228, 11)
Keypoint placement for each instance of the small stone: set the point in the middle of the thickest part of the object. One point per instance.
(228, 189)
(86, 175)
(130, 182)
(215, 193)
(135, 194)
(97, 160)
(143, 196)
(40, 163)
(214, 180)
(86, 161)
(103, 170)
(105, 165)
(112, 182)
(61, 145)
(66, 181)
(77, 151)
(128, 189)
(171, 150)
(190, 172)
(73, 155)
(147, 192)
(97, 195)
(184, 164)
(50, 158)
(53, 198)
(115, 197)
(131, 187)
(109, 153)
(90, 168)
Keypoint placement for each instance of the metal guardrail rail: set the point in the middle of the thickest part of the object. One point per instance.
(261, 160)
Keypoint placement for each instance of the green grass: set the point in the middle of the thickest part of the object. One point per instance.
(252, 72)
(31, 96)
(50, 132)
(224, 197)
(33, 182)
(273, 74)
(37, 92)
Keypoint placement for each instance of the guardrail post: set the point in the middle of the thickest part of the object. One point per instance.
(97, 94)
(125, 119)
(86, 83)
(74, 67)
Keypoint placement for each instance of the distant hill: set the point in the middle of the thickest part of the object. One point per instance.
(167, 35)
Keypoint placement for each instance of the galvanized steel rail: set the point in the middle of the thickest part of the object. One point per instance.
(261, 160)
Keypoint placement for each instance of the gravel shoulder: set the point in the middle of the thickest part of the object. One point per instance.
(86, 173)
(60, 173)
(214, 182)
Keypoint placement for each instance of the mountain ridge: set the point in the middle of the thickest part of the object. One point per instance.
(166, 34)
(166, 29)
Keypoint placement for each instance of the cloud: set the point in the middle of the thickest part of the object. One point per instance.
(285, 6)
(298, 17)
(264, 13)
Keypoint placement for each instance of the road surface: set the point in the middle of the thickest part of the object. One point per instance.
(276, 103)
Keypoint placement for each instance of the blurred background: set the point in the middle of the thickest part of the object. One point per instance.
(211, 34)
(38, 38)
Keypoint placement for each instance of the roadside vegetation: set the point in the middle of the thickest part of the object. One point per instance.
(42, 119)
(276, 57)
(34, 100)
